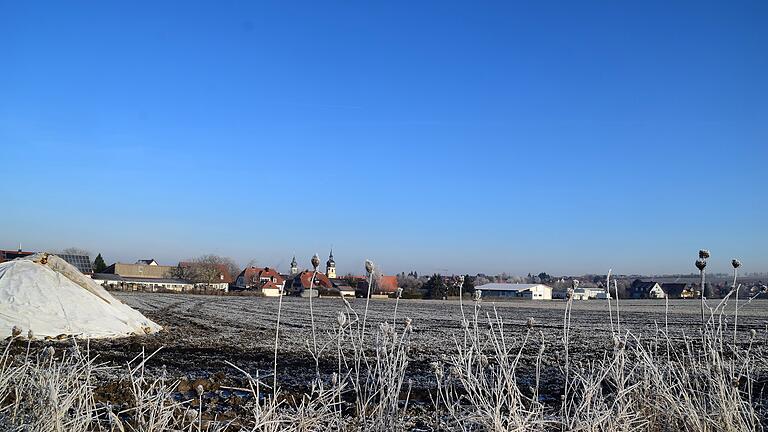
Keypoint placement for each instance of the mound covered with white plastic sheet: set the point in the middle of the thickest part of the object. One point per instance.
(45, 294)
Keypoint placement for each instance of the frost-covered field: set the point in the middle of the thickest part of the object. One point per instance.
(201, 332)
(541, 366)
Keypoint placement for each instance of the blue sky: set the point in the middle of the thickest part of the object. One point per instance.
(441, 136)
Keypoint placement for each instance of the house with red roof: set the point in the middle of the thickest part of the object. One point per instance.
(381, 286)
(265, 279)
(302, 284)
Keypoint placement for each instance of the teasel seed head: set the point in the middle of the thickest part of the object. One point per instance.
(454, 372)
(701, 264)
(437, 368)
(315, 261)
(530, 323)
(483, 360)
(478, 295)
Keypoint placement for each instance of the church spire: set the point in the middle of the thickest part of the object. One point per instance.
(330, 266)
(294, 266)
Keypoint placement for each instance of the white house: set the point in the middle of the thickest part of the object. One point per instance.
(588, 293)
(511, 290)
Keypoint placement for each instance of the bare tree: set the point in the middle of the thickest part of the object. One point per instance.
(74, 251)
(207, 269)
(185, 271)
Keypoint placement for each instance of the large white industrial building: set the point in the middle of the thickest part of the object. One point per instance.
(513, 291)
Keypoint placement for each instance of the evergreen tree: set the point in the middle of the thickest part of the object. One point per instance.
(469, 284)
(99, 265)
(436, 287)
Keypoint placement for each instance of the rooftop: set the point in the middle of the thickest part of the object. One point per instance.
(507, 286)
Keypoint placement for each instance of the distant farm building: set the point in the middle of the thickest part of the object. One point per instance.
(148, 275)
(589, 293)
(127, 283)
(516, 291)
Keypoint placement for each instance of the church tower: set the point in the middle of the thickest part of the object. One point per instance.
(330, 267)
(294, 266)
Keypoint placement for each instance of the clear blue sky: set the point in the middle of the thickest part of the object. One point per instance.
(563, 137)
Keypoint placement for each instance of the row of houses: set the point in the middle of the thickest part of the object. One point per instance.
(269, 282)
(149, 275)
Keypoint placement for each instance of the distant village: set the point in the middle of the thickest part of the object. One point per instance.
(216, 275)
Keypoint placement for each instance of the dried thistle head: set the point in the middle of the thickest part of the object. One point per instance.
(483, 360)
(703, 254)
(48, 352)
(478, 295)
(437, 369)
(315, 261)
(701, 264)
(341, 318)
(191, 415)
(199, 389)
(454, 372)
(16, 331)
(575, 283)
(735, 263)
(408, 323)
(399, 292)
(530, 323)
(386, 328)
(369, 267)
(30, 334)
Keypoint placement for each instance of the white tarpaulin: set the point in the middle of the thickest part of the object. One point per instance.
(47, 295)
